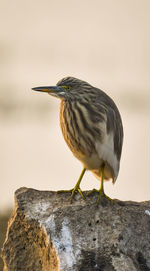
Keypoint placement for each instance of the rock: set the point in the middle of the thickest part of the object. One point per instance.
(47, 232)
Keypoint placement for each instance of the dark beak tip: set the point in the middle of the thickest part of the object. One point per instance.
(37, 89)
(34, 88)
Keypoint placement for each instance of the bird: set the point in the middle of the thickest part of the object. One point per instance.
(92, 128)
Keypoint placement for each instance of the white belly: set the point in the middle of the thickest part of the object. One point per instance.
(103, 153)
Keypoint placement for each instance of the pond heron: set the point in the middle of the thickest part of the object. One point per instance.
(92, 128)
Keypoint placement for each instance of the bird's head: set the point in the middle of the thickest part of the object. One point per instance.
(67, 88)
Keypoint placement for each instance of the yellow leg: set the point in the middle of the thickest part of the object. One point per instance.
(101, 192)
(76, 188)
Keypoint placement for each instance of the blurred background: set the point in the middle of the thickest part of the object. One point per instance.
(106, 43)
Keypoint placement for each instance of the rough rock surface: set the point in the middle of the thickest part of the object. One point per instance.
(47, 232)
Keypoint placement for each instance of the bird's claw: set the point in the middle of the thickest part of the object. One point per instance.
(73, 191)
(101, 194)
(76, 190)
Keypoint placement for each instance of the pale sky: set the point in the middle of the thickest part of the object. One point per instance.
(103, 42)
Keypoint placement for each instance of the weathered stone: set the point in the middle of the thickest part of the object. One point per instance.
(47, 232)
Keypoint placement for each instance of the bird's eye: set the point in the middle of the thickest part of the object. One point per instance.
(67, 88)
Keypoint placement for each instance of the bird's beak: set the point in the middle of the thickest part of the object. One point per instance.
(54, 90)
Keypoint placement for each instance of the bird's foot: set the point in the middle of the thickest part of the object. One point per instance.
(73, 191)
(101, 194)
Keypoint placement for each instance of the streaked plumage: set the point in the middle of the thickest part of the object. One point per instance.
(91, 125)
